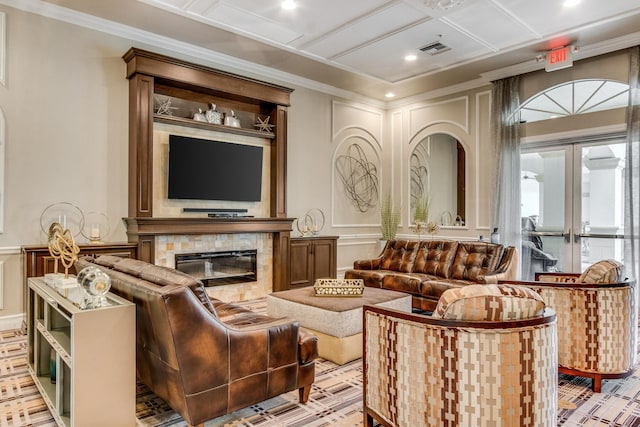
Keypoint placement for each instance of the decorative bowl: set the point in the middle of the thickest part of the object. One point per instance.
(338, 287)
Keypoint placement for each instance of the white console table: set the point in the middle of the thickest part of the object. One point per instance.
(92, 353)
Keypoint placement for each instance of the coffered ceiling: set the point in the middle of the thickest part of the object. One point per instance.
(360, 45)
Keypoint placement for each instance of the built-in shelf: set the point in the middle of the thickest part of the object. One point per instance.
(186, 122)
(193, 88)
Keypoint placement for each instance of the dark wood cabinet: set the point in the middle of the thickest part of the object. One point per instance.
(38, 261)
(312, 258)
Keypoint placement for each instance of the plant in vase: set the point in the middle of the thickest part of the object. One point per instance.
(389, 217)
(421, 215)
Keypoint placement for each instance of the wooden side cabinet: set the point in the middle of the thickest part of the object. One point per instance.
(82, 361)
(38, 261)
(312, 258)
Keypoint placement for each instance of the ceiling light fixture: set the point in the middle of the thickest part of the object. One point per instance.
(571, 3)
(389, 94)
(410, 57)
(288, 4)
(442, 4)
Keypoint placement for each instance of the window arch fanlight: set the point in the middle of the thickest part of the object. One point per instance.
(575, 97)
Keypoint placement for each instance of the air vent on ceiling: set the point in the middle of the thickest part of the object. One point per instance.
(434, 48)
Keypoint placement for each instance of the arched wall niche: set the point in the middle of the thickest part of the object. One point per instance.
(437, 170)
(356, 179)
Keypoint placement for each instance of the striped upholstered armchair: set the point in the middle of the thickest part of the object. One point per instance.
(487, 356)
(597, 320)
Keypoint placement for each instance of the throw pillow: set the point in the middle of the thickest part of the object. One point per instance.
(489, 303)
(607, 271)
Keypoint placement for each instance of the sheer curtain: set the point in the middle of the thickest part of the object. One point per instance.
(632, 171)
(506, 136)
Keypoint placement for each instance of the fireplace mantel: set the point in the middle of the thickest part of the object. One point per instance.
(167, 226)
(145, 230)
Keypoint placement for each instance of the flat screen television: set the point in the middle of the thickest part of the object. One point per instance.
(204, 169)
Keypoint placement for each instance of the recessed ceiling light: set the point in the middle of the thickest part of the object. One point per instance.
(288, 4)
(410, 57)
(389, 94)
(570, 3)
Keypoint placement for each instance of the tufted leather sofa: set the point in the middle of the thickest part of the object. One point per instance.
(204, 357)
(428, 268)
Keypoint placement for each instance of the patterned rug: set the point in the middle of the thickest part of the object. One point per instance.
(335, 399)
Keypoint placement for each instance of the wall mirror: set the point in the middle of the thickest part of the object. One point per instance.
(437, 165)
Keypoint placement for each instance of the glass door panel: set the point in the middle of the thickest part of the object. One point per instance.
(572, 206)
(600, 229)
(544, 210)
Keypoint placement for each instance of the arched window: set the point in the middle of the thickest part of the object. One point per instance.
(576, 97)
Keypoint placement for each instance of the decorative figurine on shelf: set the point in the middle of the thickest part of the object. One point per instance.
(54, 229)
(163, 106)
(231, 120)
(199, 116)
(432, 227)
(263, 124)
(214, 116)
(63, 248)
(96, 284)
(96, 227)
(312, 223)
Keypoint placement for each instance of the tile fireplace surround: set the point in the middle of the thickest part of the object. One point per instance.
(160, 239)
(167, 246)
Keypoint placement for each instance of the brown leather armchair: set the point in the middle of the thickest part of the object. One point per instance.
(204, 357)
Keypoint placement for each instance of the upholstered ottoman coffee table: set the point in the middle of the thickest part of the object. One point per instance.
(337, 321)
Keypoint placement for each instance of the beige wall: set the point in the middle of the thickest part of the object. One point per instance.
(65, 108)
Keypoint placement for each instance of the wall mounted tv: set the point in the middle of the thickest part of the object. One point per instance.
(203, 169)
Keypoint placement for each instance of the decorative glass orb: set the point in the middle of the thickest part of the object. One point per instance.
(96, 284)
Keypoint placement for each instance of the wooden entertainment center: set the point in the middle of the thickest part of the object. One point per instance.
(150, 74)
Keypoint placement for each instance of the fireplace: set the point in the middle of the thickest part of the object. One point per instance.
(219, 268)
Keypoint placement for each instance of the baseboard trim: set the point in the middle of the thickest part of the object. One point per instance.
(15, 321)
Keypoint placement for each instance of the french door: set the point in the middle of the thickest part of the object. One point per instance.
(572, 204)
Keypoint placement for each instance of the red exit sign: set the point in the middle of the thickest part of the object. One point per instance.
(559, 58)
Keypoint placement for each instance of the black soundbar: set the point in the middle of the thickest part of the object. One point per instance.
(228, 215)
(215, 210)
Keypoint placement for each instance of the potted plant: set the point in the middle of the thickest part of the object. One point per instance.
(389, 217)
(421, 210)
(421, 215)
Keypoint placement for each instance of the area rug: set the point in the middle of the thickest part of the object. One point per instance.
(335, 399)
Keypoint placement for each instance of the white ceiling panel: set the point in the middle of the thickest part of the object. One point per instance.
(385, 58)
(178, 4)
(194, 8)
(244, 20)
(490, 24)
(311, 18)
(362, 31)
(550, 17)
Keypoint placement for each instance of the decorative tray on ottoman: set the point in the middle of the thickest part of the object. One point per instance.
(338, 287)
